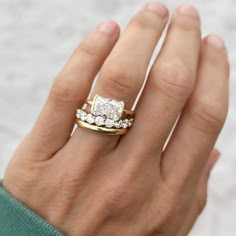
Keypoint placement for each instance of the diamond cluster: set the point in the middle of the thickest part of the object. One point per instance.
(105, 107)
(101, 121)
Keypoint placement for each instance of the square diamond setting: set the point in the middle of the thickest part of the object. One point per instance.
(108, 108)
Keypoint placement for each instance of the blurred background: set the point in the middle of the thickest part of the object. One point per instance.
(37, 37)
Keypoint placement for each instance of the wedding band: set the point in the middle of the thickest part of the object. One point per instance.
(102, 130)
(107, 116)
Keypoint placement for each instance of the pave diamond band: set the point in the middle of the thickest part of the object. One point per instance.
(103, 130)
(107, 116)
(103, 122)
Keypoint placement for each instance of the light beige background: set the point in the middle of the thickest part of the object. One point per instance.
(37, 37)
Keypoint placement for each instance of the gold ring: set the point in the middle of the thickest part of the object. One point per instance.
(107, 116)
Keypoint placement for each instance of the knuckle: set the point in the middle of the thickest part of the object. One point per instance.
(173, 79)
(168, 212)
(171, 207)
(117, 82)
(63, 91)
(201, 202)
(87, 49)
(118, 195)
(44, 138)
(208, 118)
(116, 200)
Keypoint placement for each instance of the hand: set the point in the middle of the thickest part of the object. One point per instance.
(92, 184)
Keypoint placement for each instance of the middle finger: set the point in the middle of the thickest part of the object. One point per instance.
(170, 82)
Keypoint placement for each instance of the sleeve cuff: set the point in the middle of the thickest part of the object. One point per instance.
(16, 219)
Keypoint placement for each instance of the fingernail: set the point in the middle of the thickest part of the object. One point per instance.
(215, 41)
(108, 27)
(187, 10)
(157, 8)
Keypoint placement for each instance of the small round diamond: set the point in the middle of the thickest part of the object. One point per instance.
(109, 123)
(130, 123)
(90, 119)
(83, 116)
(125, 123)
(78, 113)
(117, 124)
(99, 121)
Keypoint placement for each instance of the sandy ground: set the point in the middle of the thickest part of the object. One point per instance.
(37, 37)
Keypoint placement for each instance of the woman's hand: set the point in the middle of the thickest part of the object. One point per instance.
(92, 184)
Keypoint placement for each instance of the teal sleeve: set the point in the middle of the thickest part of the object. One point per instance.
(18, 220)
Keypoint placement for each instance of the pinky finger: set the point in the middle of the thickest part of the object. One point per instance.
(200, 199)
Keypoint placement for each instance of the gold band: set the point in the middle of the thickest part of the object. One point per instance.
(126, 112)
(103, 130)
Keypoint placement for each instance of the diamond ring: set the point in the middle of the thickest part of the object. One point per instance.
(98, 101)
(107, 116)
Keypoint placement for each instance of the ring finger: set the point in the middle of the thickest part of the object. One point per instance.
(124, 71)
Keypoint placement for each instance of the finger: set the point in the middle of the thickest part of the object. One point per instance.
(200, 199)
(170, 81)
(124, 71)
(71, 87)
(201, 120)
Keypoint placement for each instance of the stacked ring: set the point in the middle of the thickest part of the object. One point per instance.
(107, 116)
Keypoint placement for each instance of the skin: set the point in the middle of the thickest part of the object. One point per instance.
(138, 184)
